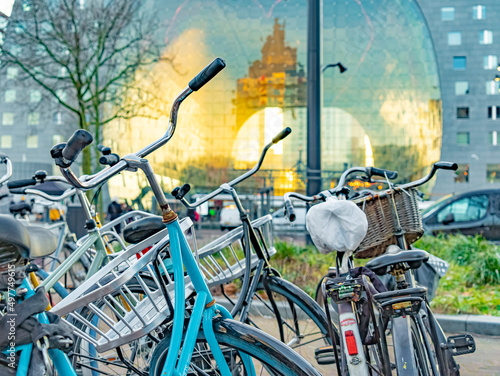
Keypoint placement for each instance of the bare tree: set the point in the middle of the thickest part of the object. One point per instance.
(89, 55)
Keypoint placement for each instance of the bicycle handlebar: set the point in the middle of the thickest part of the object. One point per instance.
(92, 181)
(79, 141)
(20, 183)
(280, 136)
(441, 165)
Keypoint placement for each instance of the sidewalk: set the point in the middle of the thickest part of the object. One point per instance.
(474, 324)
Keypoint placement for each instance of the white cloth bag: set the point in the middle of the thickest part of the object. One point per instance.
(336, 225)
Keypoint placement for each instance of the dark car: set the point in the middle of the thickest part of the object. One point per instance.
(470, 213)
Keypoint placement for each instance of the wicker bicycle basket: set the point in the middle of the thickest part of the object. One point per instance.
(382, 224)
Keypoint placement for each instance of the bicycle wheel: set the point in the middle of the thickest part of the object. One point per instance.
(268, 355)
(300, 323)
(130, 359)
(421, 360)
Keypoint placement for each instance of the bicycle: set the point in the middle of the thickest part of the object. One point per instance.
(208, 322)
(413, 326)
(300, 321)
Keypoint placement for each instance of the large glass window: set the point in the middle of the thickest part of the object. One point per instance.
(493, 173)
(462, 174)
(454, 38)
(490, 62)
(58, 117)
(459, 62)
(32, 142)
(463, 138)
(492, 87)
(8, 118)
(447, 13)
(6, 142)
(462, 87)
(462, 112)
(486, 37)
(466, 209)
(479, 12)
(57, 139)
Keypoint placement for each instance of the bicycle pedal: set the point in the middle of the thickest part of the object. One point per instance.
(460, 345)
(324, 355)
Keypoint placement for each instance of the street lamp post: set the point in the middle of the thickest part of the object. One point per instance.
(314, 27)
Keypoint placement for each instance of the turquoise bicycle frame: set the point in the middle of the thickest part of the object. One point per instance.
(59, 358)
(204, 309)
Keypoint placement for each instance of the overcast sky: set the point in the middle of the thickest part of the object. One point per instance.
(6, 6)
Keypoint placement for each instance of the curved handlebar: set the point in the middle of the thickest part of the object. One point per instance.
(109, 159)
(8, 173)
(373, 171)
(289, 211)
(280, 136)
(207, 74)
(79, 141)
(93, 181)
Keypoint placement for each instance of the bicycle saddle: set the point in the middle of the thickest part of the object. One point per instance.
(27, 241)
(137, 231)
(414, 258)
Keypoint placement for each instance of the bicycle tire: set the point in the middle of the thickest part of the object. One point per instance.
(421, 356)
(303, 321)
(234, 336)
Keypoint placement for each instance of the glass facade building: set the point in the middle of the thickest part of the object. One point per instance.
(384, 111)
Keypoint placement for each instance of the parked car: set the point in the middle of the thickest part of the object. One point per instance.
(229, 218)
(470, 213)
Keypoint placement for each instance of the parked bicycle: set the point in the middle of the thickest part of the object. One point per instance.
(212, 343)
(419, 344)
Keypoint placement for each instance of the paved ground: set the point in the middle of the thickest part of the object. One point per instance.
(486, 359)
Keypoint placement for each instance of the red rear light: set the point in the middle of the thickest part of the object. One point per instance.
(138, 255)
(351, 342)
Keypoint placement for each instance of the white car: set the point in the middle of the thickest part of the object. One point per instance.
(229, 218)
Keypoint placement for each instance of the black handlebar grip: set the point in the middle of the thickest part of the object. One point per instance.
(109, 160)
(184, 190)
(105, 150)
(21, 183)
(3, 157)
(280, 136)
(446, 166)
(381, 172)
(175, 191)
(207, 74)
(79, 141)
(289, 211)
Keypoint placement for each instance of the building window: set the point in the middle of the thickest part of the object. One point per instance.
(486, 37)
(462, 112)
(12, 73)
(8, 118)
(463, 138)
(27, 5)
(454, 38)
(462, 174)
(493, 138)
(61, 94)
(493, 173)
(479, 12)
(490, 62)
(57, 139)
(58, 117)
(6, 142)
(492, 87)
(462, 87)
(35, 96)
(10, 96)
(494, 112)
(447, 14)
(32, 142)
(459, 62)
(33, 118)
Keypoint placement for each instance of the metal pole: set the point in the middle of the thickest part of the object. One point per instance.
(314, 97)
